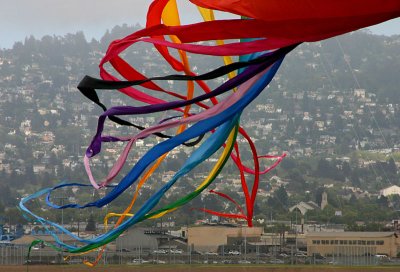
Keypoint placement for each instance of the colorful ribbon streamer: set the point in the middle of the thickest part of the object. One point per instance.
(266, 33)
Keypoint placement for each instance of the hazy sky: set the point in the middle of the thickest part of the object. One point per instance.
(21, 18)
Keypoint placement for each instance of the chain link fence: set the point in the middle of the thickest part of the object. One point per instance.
(347, 256)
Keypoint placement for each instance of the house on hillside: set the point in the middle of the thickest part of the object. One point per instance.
(304, 207)
(392, 190)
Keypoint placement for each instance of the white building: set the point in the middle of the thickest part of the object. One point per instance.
(392, 190)
(303, 207)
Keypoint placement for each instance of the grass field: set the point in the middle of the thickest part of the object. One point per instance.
(195, 268)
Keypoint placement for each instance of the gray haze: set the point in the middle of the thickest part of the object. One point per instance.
(21, 18)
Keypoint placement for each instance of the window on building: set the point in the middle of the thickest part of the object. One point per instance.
(380, 242)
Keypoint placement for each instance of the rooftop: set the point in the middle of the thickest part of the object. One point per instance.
(351, 234)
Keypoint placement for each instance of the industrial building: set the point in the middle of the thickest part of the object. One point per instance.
(209, 238)
(353, 243)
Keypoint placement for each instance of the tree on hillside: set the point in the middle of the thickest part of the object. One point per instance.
(392, 169)
(318, 195)
(281, 197)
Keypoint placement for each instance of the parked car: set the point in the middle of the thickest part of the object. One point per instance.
(233, 252)
(300, 254)
(211, 253)
(159, 251)
(158, 262)
(312, 260)
(176, 251)
(318, 256)
(210, 262)
(276, 261)
(244, 262)
(138, 261)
